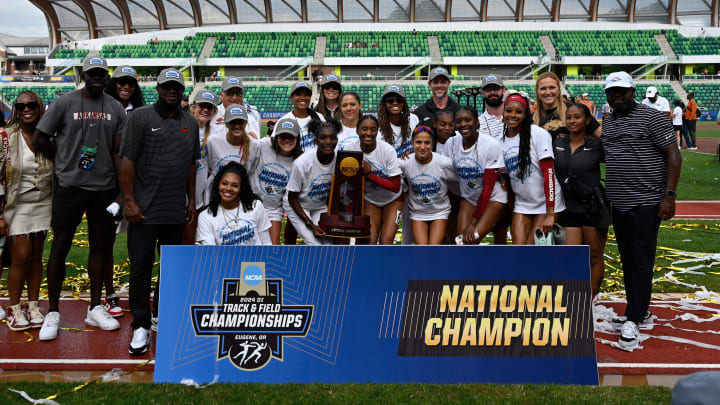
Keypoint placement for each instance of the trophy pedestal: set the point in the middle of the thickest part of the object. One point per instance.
(337, 226)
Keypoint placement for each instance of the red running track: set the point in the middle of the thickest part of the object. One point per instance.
(89, 348)
(697, 210)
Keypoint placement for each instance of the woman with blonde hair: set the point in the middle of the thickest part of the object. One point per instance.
(25, 208)
(551, 110)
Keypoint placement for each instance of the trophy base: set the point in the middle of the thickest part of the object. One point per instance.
(335, 227)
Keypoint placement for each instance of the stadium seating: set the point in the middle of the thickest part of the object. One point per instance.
(186, 48)
(605, 43)
(47, 93)
(387, 44)
(265, 98)
(707, 95)
(597, 92)
(70, 54)
(262, 44)
(693, 46)
(150, 93)
(490, 43)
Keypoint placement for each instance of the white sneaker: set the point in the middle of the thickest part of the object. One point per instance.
(100, 318)
(645, 324)
(35, 314)
(49, 329)
(140, 341)
(3, 315)
(542, 238)
(630, 335)
(154, 323)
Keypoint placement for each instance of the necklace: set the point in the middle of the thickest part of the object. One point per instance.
(231, 220)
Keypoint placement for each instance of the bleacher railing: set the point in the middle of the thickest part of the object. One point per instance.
(702, 77)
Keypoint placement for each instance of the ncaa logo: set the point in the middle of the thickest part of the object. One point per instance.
(128, 69)
(236, 111)
(490, 78)
(301, 84)
(233, 81)
(96, 61)
(332, 77)
(253, 275)
(287, 125)
(394, 88)
(440, 70)
(172, 74)
(208, 96)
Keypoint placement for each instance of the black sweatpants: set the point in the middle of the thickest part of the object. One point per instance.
(142, 240)
(636, 233)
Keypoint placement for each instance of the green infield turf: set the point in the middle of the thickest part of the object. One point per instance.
(123, 393)
(700, 177)
(707, 129)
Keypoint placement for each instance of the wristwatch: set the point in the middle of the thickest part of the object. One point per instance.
(670, 194)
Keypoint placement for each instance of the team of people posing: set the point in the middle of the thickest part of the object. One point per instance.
(445, 174)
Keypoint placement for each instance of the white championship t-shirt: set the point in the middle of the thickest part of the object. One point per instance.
(385, 164)
(400, 147)
(202, 198)
(428, 191)
(233, 227)
(220, 152)
(312, 180)
(307, 139)
(269, 173)
(470, 165)
(530, 191)
(347, 137)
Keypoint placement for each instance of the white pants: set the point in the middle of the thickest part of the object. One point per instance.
(302, 229)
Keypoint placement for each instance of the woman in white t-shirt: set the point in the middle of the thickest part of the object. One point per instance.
(528, 155)
(300, 95)
(396, 121)
(677, 121)
(383, 195)
(351, 109)
(309, 186)
(235, 215)
(235, 146)
(477, 160)
(270, 168)
(427, 174)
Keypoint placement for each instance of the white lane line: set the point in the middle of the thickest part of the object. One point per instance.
(73, 361)
(657, 365)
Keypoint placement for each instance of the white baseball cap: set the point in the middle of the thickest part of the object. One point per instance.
(651, 92)
(619, 79)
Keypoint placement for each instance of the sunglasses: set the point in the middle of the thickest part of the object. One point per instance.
(394, 100)
(422, 128)
(332, 86)
(233, 93)
(125, 81)
(31, 105)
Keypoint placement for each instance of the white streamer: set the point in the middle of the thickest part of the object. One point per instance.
(191, 383)
(33, 401)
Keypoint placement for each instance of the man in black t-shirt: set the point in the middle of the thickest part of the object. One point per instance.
(439, 82)
(159, 150)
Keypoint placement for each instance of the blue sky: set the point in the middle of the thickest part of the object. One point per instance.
(22, 19)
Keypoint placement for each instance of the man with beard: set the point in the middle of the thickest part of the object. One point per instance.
(492, 90)
(642, 171)
(87, 127)
(159, 150)
(439, 82)
(233, 92)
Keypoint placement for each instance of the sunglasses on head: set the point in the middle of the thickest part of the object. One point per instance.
(394, 100)
(31, 105)
(422, 128)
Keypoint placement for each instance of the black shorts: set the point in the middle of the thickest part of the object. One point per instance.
(69, 204)
(572, 220)
(678, 127)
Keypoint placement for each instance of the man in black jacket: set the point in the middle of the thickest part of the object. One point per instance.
(439, 82)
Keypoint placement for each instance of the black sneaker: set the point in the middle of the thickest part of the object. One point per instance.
(645, 324)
